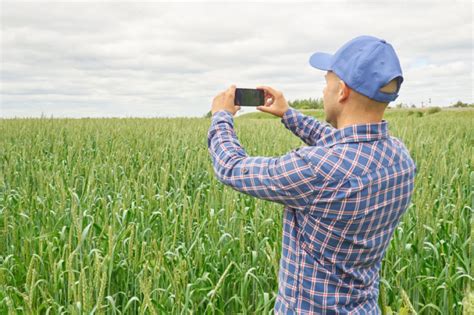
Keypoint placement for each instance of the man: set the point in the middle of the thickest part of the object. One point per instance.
(344, 193)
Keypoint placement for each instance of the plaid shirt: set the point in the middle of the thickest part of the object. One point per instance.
(344, 195)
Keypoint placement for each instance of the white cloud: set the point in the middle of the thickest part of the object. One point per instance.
(163, 59)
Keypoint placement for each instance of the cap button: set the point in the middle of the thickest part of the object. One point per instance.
(383, 41)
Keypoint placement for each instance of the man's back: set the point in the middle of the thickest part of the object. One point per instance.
(333, 248)
(344, 194)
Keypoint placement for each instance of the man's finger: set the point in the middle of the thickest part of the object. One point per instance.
(264, 88)
(231, 89)
(268, 89)
(263, 109)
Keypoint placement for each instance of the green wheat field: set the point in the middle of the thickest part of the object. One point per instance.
(125, 216)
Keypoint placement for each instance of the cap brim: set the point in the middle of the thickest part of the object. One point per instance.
(320, 60)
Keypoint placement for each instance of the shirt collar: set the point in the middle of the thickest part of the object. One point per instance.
(357, 133)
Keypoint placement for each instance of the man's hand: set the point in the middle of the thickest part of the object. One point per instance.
(225, 100)
(278, 104)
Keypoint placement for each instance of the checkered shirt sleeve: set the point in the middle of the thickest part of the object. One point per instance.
(287, 180)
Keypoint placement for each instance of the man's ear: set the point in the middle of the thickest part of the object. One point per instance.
(344, 91)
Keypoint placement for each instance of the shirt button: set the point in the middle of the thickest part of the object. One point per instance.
(245, 170)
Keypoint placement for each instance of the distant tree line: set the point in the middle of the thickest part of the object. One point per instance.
(317, 103)
(461, 104)
(310, 103)
(457, 104)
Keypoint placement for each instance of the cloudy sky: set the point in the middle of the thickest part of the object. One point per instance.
(159, 59)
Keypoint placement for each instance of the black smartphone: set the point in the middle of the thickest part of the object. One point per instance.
(249, 97)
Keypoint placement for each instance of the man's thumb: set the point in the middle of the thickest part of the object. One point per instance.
(263, 109)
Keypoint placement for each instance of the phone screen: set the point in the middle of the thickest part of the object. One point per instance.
(249, 97)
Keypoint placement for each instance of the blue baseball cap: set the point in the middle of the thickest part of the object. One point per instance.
(366, 64)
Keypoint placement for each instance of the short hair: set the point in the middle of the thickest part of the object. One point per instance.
(390, 87)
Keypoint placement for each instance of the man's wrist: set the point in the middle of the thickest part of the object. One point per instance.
(222, 110)
(222, 115)
(286, 112)
(289, 117)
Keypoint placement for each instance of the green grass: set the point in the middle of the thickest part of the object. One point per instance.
(125, 216)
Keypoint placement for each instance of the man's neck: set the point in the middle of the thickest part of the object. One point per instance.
(346, 121)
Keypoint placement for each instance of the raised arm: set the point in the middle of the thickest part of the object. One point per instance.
(308, 128)
(289, 179)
